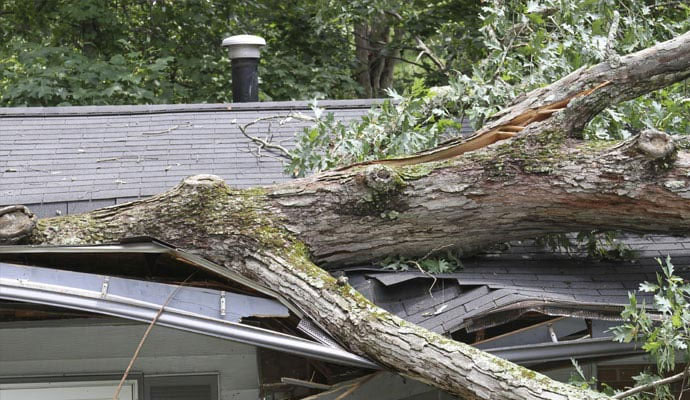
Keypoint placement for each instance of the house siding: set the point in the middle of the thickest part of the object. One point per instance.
(49, 350)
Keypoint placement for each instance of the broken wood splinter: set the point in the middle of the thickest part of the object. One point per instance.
(479, 140)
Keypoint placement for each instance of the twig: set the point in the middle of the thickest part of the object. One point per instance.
(611, 55)
(257, 153)
(303, 383)
(505, 53)
(664, 4)
(430, 252)
(266, 144)
(422, 46)
(138, 158)
(164, 131)
(682, 385)
(419, 267)
(650, 385)
(357, 385)
(342, 385)
(378, 50)
(434, 250)
(146, 334)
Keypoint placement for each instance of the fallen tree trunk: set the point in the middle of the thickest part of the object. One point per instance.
(544, 180)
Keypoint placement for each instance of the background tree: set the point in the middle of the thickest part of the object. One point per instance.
(525, 45)
(56, 52)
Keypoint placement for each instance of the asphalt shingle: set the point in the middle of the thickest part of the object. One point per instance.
(494, 283)
(94, 153)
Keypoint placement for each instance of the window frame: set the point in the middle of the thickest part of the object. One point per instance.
(136, 378)
(143, 382)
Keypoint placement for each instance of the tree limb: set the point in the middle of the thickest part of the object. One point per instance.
(580, 96)
(423, 47)
(266, 143)
(651, 385)
(16, 222)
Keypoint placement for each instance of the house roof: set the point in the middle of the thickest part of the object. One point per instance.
(74, 159)
(497, 287)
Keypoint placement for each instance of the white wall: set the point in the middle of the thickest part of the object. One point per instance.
(50, 348)
(57, 348)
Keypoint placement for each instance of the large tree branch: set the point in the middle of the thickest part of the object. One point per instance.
(531, 185)
(636, 74)
(245, 232)
(576, 99)
(543, 180)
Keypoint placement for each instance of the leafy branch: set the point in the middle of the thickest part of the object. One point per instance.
(666, 333)
(447, 263)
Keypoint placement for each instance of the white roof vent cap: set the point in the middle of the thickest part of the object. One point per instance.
(244, 46)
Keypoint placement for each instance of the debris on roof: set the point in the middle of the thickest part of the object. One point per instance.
(496, 288)
(74, 159)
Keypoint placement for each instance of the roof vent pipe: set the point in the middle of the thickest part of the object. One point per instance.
(244, 55)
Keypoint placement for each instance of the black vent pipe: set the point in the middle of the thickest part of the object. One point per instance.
(244, 55)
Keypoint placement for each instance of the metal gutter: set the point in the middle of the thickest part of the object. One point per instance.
(210, 303)
(226, 273)
(148, 245)
(140, 247)
(53, 287)
(532, 353)
(152, 247)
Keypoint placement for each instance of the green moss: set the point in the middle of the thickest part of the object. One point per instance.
(72, 230)
(383, 195)
(528, 374)
(415, 172)
(247, 214)
(599, 144)
(533, 154)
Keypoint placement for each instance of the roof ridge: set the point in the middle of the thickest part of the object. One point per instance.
(83, 111)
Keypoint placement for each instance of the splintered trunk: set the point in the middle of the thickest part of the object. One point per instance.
(522, 175)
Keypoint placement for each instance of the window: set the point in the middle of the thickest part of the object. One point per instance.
(69, 390)
(137, 387)
(181, 387)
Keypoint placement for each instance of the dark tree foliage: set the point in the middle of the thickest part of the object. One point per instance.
(56, 52)
(61, 52)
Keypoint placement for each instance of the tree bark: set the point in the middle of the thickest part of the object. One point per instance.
(543, 180)
(376, 54)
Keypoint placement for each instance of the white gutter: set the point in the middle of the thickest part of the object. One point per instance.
(151, 247)
(123, 298)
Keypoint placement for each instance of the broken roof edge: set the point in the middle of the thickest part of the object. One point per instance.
(152, 245)
(18, 112)
(496, 317)
(17, 288)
